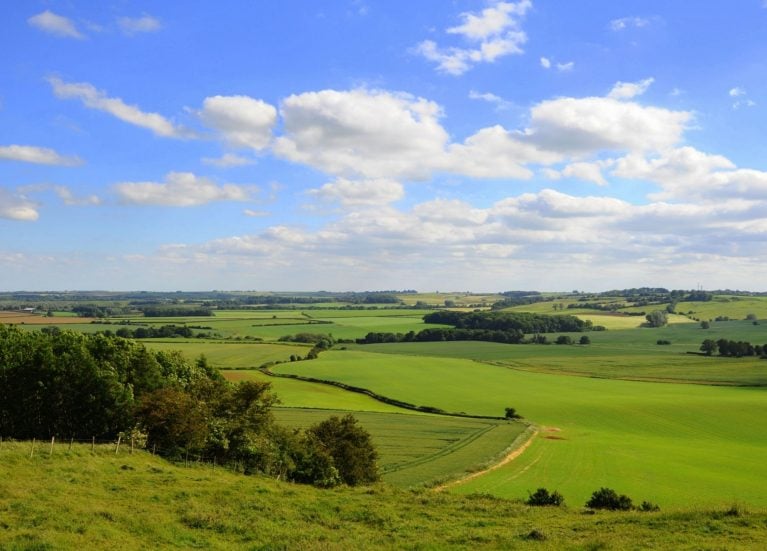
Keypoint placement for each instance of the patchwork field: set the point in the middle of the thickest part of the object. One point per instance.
(672, 444)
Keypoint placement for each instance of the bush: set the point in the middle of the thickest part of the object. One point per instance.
(607, 498)
(564, 339)
(542, 498)
(662, 342)
(584, 340)
(648, 507)
(349, 446)
(511, 413)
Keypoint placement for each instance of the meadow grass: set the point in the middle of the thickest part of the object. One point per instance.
(231, 355)
(419, 450)
(669, 443)
(79, 500)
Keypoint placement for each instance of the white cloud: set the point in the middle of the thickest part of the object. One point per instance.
(565, 67)
(586, 125)
(545, 63)
(499, 102)
(16, 207)
(495, 32)
(737, 91)
(135, 25)
(255, 213)
(626, 22)
(56, 25)
(97, 99)
(585, 171)
(181, 189)
(363, 192)
(628, 90)
(361, 133)
(242, 121)
(36, 155)
(495, 152)
(227, 160)
(62, 192)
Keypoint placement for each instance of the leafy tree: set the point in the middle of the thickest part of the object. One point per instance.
(350, 446)
(584, 340)
(564, 339)
(709, 346)
(705, 324)
(511, 413)
(658, 318)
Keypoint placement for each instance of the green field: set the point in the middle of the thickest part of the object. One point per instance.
(674, 444)
(422, 449)
(231, 355)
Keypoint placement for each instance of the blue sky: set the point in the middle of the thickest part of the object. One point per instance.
(359, 144)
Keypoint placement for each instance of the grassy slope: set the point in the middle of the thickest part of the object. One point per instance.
(232, 355)
(76, 500)
(672, 444)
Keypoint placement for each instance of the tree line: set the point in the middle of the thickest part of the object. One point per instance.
(523, 322)
(72, 385)
(733, 349)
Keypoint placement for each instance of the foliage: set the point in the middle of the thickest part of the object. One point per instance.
(509, 321)
(349, 446)
(584, 340)
(658, 318)
(511, 413)
(607, 498)
(541, 498)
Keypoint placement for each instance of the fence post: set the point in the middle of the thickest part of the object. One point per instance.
(131, 445)
(32, 451)
(53, 439)
(93, 444)
(117, 447)
(71, 440)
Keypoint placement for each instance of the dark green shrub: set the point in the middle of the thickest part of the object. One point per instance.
(607, 498)
(648, 507)
(541, 498)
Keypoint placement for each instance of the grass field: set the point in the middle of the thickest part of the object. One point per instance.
(231, 355)
(79, 500)
(420, 449)
(668, 443)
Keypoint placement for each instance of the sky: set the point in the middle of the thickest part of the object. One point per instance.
(465, 145)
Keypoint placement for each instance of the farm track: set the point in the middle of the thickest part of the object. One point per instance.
(508, 458)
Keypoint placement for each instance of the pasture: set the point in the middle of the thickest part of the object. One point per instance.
(677, 445)
(417, 450)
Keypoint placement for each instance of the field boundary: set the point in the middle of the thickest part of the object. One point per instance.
(513, 451)
(376, 396)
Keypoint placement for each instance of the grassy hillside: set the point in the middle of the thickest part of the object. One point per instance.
(675, 444)
(134, 502)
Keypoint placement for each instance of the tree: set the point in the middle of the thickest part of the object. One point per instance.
(658, 318)
(511, 413)
(564, 339)
(585, 340)
(705, 325)
(350, 446)
(709, 346)
(751, 317)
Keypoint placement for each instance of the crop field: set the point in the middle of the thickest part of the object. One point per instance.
(231, 355)
(37, 319)
(300, 394)
(674, 444)
(422, 449)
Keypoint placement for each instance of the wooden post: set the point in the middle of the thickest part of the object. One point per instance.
(186, 459)
(53, 439)
(32, 451)
(71, 440)
(131, 445)
(154, 449)
(93, 444)
(117, 447)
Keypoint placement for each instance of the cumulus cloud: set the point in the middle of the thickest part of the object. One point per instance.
(737, 91)
(361, 133)
(498, 101)
(365, 192)
(585, 171)
(62, 192)
(93, 98)
(545, 63)
(580, 125)
(17, 207)
(37, 155)
(565, 67)
(56, 25)
(136, 25)
(180, 189)
(494, 32)
(241, 120)
(628, 90)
